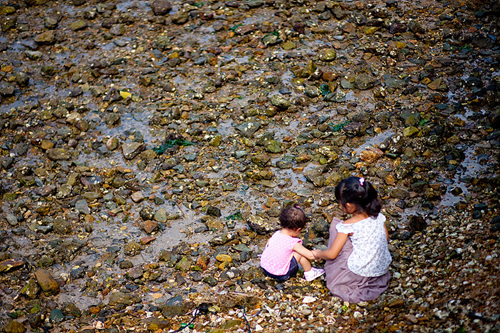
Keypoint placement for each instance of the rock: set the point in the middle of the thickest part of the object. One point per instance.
(396, 303)
(211, 281)
(274, 147)
(31, 290)
(175, 306)
(161, 7)
(248, 129)
(315, 176)
(47, 37)
(7, 10)
(62, 226)
(11, 219)
(146, 213)
(10, 264)
(58, 154)
(184, 264)
(370, 156)
(156, 324)
(213, 211)
(410, 131)
(161, 215)
(132, 248)
(149, 226)
(48, 284)
(7, 89)
(112, 143)
(417, 223)
(280, 102)
(365, 81)
(137, 196)
(262, 160)
(260, 225)
(131, 149)
(78, 25)
(83, 207)
(14, 327)
(400, 193)
(120, 298)
(56, 316)
(8, 23)
(328, 55)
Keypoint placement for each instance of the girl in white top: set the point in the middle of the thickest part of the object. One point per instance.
(366, 273)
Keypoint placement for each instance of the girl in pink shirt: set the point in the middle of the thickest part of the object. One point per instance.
(284, 250)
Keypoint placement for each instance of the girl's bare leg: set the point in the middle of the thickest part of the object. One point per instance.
(303, 261)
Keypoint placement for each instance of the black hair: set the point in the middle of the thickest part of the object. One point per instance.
(293, 217)
(359, 192)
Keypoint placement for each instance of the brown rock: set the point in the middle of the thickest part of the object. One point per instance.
(48, 284)
(149, 226)
(10, 264)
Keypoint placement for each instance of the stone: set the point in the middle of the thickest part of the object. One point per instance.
(132, 248)
(47, 37)
(161, 215)
(280, 102)
(78, 25)
(149, 226)
(137, 196)
(248, 129)
(161, 7)
(315, 176)
(328, 55)
(82, 206)
(131, 149)
(58, 154)
(14, 327)
(417, 223)
(410, 131)
(56, 316)
(118, 297)
(260, 225)
(365, 81)
(62, 226)
(48, 284)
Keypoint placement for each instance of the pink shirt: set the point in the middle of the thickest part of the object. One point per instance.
(278, 253)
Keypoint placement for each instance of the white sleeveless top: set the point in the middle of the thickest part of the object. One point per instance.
(370, 256)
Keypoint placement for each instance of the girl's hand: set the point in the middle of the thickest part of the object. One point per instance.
(315, 254)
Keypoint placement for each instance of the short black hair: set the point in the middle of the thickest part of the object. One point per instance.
(293, 217)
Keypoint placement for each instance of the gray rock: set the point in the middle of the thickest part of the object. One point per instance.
(315, 176)
(132, 149)
(58, 154)
(248, 129)
(161, 7)
(11, 219)
(82, 206)
(56, 316)
(365, 81)
(280, 102)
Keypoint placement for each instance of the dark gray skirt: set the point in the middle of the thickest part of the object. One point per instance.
(347, 285)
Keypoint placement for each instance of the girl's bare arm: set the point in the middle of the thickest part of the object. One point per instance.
(300, 249)
(334, 250)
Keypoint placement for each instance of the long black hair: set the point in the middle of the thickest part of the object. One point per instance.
(359, 192)
(293, 217)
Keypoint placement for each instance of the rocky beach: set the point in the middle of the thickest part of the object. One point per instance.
(147, 148)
